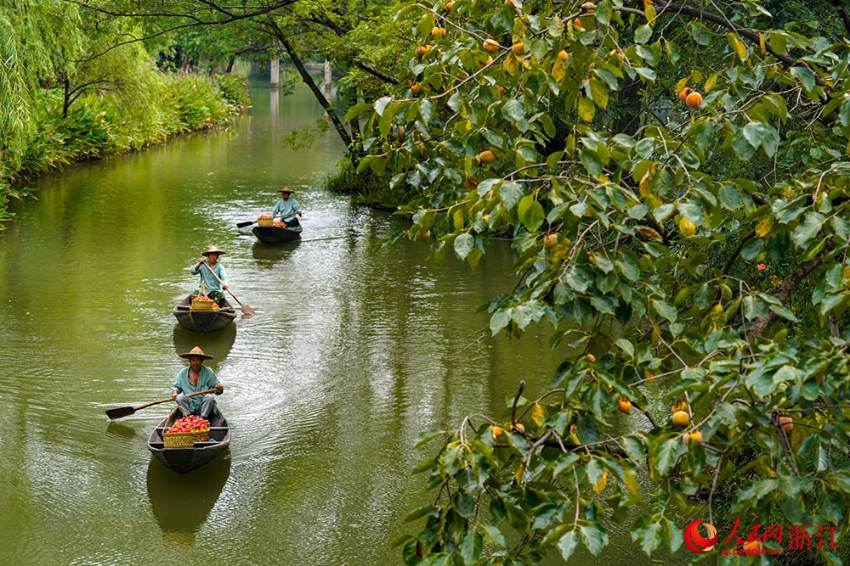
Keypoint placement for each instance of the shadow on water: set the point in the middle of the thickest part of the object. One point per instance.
(269, 254)
(182, 502)
(216, 344)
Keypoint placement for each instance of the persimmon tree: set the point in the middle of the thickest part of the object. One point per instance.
(673, 177)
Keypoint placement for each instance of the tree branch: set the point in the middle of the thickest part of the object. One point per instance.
(782, 293)
(723, 22)
(311, 84)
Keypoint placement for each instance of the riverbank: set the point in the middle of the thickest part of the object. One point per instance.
(108, 123)
(365, 188)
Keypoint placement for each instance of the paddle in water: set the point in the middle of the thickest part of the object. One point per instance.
(247, 311)
(127, 410)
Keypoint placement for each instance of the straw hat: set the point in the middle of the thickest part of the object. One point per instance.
(213, 250)
(196, 351)
(286, 190)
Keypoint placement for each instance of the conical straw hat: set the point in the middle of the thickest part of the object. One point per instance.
(196, 351)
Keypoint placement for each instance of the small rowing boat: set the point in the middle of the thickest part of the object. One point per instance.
(183, 460)
(203, 321)
(277, 234)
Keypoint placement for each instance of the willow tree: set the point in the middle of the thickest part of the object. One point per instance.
(674, 180)
(37, 37)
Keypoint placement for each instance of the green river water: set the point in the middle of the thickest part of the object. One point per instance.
(355, 350)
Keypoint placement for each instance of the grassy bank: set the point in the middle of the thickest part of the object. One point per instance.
(107, 123)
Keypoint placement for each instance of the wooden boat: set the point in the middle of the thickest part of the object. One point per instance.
(183, 460)
(276, 235)
(203, 321)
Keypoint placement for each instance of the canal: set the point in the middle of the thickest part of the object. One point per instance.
(355, 350)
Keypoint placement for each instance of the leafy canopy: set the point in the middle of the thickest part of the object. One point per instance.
(691, 254)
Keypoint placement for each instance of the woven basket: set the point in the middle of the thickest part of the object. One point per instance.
(265, 221)
(184, 439)
(202, 304)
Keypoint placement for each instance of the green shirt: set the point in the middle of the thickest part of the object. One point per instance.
(286, 209)
(207, 380)
(207, 278)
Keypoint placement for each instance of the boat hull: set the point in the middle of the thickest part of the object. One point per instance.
(273, 235)
(203, 321)
(184, 460)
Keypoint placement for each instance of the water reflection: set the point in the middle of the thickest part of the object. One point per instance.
(274, 105)
(182, 502)
(269, 254)
(217, 344)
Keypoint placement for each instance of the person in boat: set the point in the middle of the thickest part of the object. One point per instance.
(196, 377)
(287, 208)
(209, 262)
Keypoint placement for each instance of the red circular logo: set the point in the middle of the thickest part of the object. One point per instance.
(698, 543)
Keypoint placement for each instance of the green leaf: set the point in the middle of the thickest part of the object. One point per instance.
(603, 12)
(470, 548)
(425, 25)
(634, 449)
(499, 320)
(805, 76)
(426, 110)
(356, 110)
(513, 110)
(594, 539)
(567, 544)
(649, 537)
(646, 72)
(626, 347)
(381, 104)
(833, 302)
(673, 535)
(463, 245)
(700, 33)
(427, 436)
(465, 504)
(807, 229)
(762, 135)
(495, 535)
(730, 197)
(599, 93)
(386, 120)
(666, 454)
(593, 471)
(665, 309)
(531, 213)
(643, 33)
(432, 510)
(783, 312)
(586, 109)
(510, 193)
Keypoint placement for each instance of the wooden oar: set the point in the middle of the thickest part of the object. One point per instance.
(243, 224)
(246, 309)
(126, 411)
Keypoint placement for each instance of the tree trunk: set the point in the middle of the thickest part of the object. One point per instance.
(66, 103)
(230, 63)
(311, 84)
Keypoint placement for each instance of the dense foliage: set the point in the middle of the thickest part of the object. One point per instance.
(690, 250)
(70, 90)
(673, 179)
